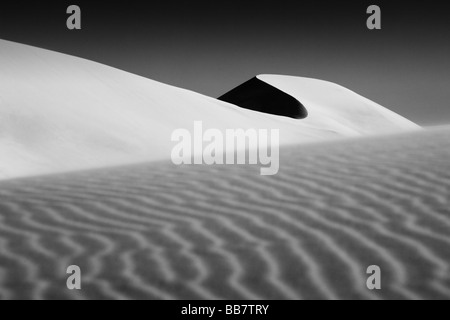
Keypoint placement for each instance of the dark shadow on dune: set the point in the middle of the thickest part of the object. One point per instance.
(259, 96)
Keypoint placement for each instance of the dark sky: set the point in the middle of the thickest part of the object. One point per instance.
(212, 46)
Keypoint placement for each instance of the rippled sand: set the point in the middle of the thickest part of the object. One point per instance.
(165, 232)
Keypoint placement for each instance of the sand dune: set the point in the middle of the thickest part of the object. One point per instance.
(159, 231)
(60, 113)
(320, 104)
(154, 230)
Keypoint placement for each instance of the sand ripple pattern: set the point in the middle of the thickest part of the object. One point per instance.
(158, 231)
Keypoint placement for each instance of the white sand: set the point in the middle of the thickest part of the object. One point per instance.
(60, 113)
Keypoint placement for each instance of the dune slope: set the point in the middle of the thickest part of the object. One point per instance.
(60, 113)
(321, 104)
(161, 231)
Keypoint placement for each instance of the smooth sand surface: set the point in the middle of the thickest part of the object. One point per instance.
(157, 231)
(60, 113)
